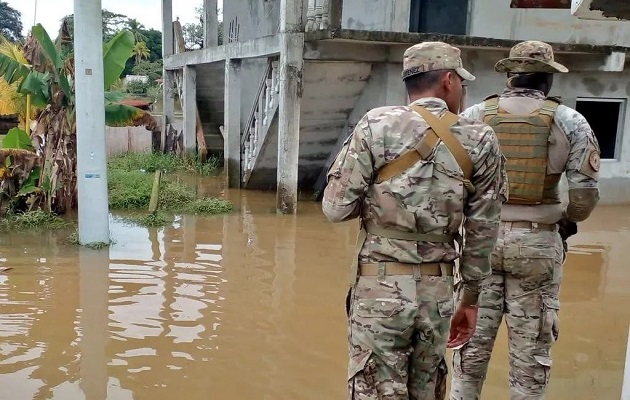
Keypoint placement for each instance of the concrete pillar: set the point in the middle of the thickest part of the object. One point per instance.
(167, 28)
(291, 16)
(189, 94)
(90, 114)
(168, 104)
(232, 123)
(210, 24)
(291, 68)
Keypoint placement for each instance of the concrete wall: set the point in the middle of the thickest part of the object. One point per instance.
(127, 139)
(376, 15)
(614, 174)
(495, 19)
(385, 88)
(250, 19)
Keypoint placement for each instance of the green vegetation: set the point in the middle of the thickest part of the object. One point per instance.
(210, 206)
(38, 219)
(151, 220)
(137, 87)
(169, 163)
(130, 180)
(74, 240)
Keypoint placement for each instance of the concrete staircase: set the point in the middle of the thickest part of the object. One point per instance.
(331, 92)
(210, 102)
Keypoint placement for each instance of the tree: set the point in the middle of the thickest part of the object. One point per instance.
(10, 22)
(193, 36)
(193, 32)
(48, 78)
(154, 43)
(137, 29)
(112, 24)
(141, 51)
(151, 69)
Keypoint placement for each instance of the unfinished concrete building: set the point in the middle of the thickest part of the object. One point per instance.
(293, 77)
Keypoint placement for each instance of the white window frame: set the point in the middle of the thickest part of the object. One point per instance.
(620, 123)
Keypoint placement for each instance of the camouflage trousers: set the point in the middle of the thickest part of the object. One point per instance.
(398, 328)
(524, 286)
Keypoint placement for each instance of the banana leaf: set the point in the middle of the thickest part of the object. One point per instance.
(116, 52)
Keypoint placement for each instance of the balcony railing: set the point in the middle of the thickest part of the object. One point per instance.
(323, 15)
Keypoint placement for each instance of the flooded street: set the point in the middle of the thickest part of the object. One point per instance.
(251, 306)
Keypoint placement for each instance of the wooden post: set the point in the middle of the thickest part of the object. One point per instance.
(155, 192)
(232, 123)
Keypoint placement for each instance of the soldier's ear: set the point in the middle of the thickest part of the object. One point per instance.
(448, 80)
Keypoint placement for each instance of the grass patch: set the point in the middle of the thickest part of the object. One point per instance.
(151, 220)
(151, 162)
(129, 189)
(37, 219)
(210, 205)
(130, 180)
(174, 196)
(73, 239)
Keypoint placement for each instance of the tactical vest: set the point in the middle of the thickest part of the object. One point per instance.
(524, 140)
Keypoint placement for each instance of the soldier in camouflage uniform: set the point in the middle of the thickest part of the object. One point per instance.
(541, 139)
(411, 192)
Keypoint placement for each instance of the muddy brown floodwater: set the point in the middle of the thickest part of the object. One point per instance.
(250, 306)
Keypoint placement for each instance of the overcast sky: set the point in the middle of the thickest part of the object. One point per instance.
(148, 12)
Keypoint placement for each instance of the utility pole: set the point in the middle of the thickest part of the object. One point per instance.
(90, 107)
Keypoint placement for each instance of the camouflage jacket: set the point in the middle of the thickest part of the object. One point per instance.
(428, 198)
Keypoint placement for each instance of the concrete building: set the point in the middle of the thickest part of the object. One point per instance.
(294, 77)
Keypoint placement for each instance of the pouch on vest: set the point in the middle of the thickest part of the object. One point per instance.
(524, 140)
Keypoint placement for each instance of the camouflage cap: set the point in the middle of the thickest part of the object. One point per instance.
(530, 56)
(433, 56)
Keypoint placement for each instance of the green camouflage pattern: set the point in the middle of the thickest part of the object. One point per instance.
(432, 56)
(397, 337)
(429, 198)
(524, 286)
(530, 56)
(579, 171)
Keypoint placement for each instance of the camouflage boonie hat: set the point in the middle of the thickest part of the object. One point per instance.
(433, 56)
(530, 56)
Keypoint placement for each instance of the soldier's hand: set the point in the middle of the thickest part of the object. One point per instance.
(463, 325)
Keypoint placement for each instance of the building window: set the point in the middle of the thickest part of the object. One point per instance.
(606, 117)
(439, 16)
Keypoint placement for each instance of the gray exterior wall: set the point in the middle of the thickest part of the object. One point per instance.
(250, 19)
(376, 15)
(245, 20)
(495, 19)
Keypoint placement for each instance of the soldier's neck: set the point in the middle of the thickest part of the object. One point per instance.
(423, 95)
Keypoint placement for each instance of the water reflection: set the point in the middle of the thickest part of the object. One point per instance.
(249, 305)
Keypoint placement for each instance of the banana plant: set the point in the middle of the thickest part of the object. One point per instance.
(47, 78)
